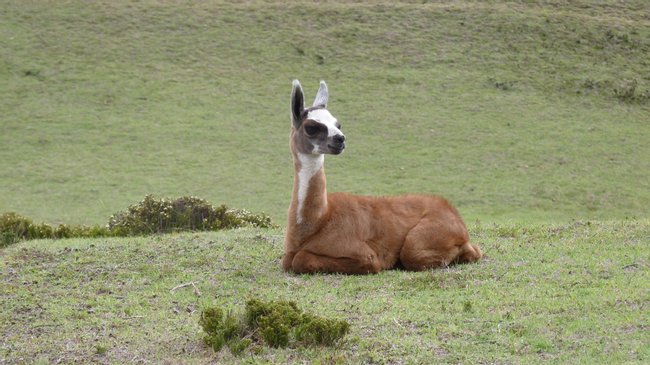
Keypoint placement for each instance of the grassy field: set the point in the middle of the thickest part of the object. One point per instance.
(533, 118)
(574, 293)
(515, 111)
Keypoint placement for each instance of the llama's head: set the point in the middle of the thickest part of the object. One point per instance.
(315, 130)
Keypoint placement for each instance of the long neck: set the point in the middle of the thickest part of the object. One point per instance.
(309, 200)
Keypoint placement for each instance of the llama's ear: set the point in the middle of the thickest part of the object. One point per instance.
(322, 95)
(297, 103)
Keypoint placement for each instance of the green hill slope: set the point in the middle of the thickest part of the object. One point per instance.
(515, 111)
(551, 294)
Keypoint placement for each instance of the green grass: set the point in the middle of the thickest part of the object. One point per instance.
(515, 111)
(572, 293)
(526, 115)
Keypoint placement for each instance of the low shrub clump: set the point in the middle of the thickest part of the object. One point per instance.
(183, 214)
(149, 216)
(15, 227)
(274, 323)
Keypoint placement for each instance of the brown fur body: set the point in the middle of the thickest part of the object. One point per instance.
(353, 234)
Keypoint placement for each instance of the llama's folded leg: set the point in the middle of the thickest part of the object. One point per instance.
(469, 253)
(305, 262)
(287, 259)
(432, 244)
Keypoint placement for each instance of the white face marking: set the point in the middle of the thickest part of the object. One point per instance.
(323, 116)
(309, 166)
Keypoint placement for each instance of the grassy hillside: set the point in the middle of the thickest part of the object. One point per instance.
(573, 293)
(516, 111)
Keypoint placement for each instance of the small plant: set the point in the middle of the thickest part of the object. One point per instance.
(275, 323)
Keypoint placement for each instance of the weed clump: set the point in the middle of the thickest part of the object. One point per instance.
(274, 323)
(146, 217)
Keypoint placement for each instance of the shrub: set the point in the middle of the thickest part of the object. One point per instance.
(186, 213)
(275, 323)
(146, 217)
(15, 227)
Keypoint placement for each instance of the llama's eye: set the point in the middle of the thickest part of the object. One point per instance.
(339, 126)
(311, 129)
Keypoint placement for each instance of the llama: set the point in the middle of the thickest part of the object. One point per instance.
(351, 234)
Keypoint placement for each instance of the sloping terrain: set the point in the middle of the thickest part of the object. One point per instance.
(515, 111)
(574, 293)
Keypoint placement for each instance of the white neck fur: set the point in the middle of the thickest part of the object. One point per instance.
(309, 166)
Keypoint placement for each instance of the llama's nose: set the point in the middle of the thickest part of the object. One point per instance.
(339, 138)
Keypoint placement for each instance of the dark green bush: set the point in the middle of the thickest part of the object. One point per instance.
(186, 213)
(13, 228)
(147, 217)
(275, 323)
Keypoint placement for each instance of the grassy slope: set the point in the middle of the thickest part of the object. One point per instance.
(508, 109)
(573, 293)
